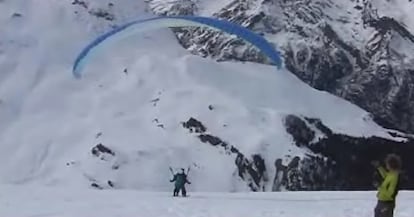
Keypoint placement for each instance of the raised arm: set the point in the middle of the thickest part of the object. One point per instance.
(175, 178)
(383, 172)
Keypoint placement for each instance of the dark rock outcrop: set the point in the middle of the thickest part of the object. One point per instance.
(335, 161)
(253, 171)
(300, 132)
(102, 152)
(102, 13)
(345, 161)
(81, 3)
(17, 15)
(194, 126)
(97, 186)
(108, 184)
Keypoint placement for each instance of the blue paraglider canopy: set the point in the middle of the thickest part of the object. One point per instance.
(176, 21)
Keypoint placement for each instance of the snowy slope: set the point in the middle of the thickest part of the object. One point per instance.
(50, 202)
(400, 10)
(358, 50)
(49, 122)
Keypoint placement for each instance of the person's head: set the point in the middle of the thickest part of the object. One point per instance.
(393, 162)
(182, 170)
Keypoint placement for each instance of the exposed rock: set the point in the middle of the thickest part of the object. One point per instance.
(81, 3)
(319, 125)
(173, 8)
(16, 15)
(346, 161)
(70, 163)
(300, 132)
(252, 171)
(280, 179)
(294, 175)
(194, 126)
(94, 185)
(98, 135)
(100, 149)
(155, 101)
(102, 13)
(210, 139)
(249, 173)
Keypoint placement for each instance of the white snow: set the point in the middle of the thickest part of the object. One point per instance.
(209, 7)
(49, 119)
(399, 10)
(33, 201)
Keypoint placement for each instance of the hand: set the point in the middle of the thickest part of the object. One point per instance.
(375, 163)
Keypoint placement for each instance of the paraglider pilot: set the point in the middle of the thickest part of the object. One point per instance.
(180, 180)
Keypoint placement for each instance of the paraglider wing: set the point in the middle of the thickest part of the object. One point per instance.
(177, 21)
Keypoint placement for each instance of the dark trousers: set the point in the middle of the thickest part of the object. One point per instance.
(384, 209)
(177, 190)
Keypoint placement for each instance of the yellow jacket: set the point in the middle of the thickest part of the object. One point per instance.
(388, 189)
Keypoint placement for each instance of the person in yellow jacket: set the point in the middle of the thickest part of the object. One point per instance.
(388, 190)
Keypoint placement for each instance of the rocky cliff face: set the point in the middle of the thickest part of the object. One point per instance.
(345, 161)
(352, 49)
(335, 161)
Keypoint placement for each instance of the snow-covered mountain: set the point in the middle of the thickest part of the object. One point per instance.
(147, 104)
(360, 50)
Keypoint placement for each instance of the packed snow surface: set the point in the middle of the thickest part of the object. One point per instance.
(33, 201)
